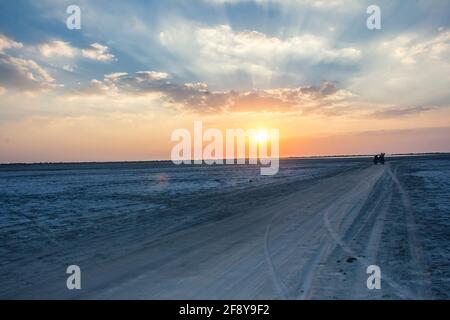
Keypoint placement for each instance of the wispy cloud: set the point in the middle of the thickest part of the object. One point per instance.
(20, 73)
(7, 43)
(57, 48)
(98, 52)
(394, 112)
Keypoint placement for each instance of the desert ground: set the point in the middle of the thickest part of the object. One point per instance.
(302, 238)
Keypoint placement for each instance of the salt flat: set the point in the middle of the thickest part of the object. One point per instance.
(149, 231)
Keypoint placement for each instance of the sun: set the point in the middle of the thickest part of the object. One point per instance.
(262, 136)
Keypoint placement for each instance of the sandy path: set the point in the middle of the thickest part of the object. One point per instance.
(296, 248)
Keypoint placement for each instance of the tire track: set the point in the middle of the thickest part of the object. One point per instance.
(411, 228)
(375, 220)
(310, 224)
(400, 290)
(277, 282)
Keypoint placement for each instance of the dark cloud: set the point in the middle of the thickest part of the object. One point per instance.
(198, 98)
(400, 112)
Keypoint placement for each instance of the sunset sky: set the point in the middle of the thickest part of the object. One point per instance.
(137, 70)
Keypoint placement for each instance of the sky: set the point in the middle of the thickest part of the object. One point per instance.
(138, 70)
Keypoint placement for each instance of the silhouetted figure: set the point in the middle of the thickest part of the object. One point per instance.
(376, 159)
(381, 158)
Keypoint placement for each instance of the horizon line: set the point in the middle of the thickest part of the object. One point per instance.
(281, 158)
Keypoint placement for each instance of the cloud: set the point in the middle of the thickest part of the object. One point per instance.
(57, 48)
(24, 74)
(2, 91)
(197, 97)
(394, 112)
(62, 54)
(252, 45)
(21, 73)
(411, 49)
(319, 4)
(7, 43)
(98, 52)
(221, 51)
(64, 49)
(68, 68)
(406, 69)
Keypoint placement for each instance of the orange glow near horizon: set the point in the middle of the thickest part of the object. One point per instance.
(124, 136)
(129, 138)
